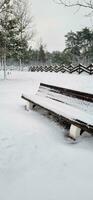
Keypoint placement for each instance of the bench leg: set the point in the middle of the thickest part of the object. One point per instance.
(29, 106)
(74, 132)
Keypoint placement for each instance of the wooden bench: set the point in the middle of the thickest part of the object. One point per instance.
(72, 106)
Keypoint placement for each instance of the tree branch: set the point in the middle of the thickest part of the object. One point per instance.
(88, 4)
(74, 3)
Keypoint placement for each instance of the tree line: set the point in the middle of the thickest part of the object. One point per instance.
(16, 31)
(79, 48)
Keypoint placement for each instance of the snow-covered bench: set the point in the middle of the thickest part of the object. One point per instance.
(75, 107)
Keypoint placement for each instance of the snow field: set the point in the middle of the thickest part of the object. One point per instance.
(36, 161)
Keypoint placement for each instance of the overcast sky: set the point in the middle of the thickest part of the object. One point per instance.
(53, 21)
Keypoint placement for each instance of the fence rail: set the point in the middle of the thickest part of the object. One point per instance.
(69, 69)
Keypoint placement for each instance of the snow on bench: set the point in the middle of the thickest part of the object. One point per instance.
(73, 106)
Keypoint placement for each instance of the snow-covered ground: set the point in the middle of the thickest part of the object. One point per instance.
(37, 162)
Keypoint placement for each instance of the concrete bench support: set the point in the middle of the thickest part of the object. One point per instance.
(29, 106)
(74, 132)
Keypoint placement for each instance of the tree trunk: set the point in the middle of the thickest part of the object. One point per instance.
(4, 66)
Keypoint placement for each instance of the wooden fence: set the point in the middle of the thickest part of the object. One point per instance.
(68, 69)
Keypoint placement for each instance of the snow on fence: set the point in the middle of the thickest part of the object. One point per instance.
(69, 69)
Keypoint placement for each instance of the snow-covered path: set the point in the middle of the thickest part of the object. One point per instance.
(36, 161)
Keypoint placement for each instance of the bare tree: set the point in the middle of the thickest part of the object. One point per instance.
(2, 5)
(25, 21)
(77, 3)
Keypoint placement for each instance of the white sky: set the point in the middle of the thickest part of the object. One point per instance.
(53, 21)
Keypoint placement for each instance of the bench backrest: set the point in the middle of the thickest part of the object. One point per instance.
(56, 93)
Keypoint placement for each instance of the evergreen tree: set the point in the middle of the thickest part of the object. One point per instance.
(6, 26)
(80, 45)
(41, 55)
(14, 34)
